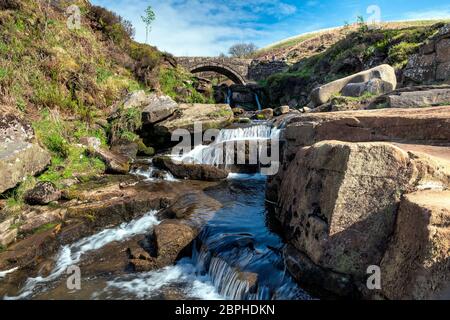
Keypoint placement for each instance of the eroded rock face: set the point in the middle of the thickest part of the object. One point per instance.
(338, 201)
(417, 263)
(20, 155)
(357, 84)
(432, 63)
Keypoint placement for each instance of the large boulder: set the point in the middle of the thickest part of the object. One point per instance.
(115, 162)
(357, 84)
(172, 238)
(191, 171)
(43, 193)
(209, 115)
(20, 155)
(417, 263)
(338, 200)
(158, 108)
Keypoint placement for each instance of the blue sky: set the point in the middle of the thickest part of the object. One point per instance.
(209, 27)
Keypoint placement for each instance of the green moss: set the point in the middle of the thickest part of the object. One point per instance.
(126, 123)
(180, 86)
(45, 227)
(399, 54)
(143, 149)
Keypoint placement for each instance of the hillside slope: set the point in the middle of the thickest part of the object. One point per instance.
(68, 82)
(308, 44)
(356, 51)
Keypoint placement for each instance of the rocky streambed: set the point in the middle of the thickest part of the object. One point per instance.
(155, 236)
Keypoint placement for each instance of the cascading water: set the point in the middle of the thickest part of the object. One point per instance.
(237, 255)
(213, 154)
(258, 103)
(229, 96)
(71, 254)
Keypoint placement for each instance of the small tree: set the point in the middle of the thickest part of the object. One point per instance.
(242, 50)
(148, 18)
(362, 25)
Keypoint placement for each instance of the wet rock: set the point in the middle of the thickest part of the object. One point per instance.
(281, 110)
(386, 73)
(416, 264)
(265, 114)
(251, 278)
(20, 156)
(29, 252)
(238, 111)
(172, 240)
(189, 171)
(158, 108)
(315, 279)
(43, 193)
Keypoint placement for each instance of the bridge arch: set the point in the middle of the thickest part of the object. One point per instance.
(219, 68)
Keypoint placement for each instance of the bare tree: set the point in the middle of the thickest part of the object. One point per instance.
(242, 50)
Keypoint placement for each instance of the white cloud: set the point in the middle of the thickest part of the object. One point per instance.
(201, 27)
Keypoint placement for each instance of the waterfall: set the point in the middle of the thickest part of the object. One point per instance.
(229, 95)
(257, 102)
(213, 154)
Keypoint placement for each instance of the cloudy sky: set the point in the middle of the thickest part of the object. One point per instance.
(210, 27)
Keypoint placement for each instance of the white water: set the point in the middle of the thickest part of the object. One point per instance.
(149, 172)
(71, 254)
(213, 154)
(6, 272)
(149, 284)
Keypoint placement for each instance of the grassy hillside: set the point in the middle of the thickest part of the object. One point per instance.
(66, 81)
(305, 45)
(358, 50)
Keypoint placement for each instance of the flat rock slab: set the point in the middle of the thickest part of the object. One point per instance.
(420, 126)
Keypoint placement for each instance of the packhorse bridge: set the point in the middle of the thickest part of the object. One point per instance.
(240, 71)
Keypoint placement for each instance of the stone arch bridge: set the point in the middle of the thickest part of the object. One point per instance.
(240, 71)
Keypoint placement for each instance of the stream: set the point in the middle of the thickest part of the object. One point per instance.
(237, 254)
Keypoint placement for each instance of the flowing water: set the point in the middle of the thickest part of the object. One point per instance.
(237, 254)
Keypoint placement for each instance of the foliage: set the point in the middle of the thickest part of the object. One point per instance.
(148, 18)
(125, 124)
(179, 85)
(242, 50)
